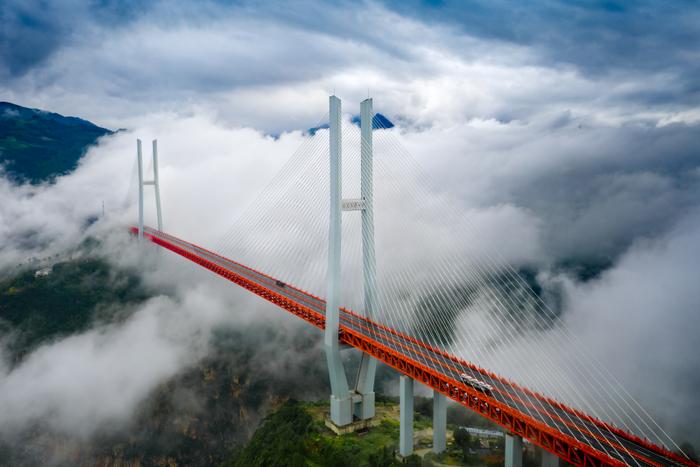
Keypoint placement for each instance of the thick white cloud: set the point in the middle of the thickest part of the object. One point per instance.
(629, 338)
(645, 310)
(86, 381)
(97, 378)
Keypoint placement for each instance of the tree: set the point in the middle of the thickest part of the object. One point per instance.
(384, 457)
(463, 440)
(279, 441)
(500, 443)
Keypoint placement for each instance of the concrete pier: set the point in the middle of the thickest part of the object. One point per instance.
(439, 422)
(406, 417)
(549, 459)
(514, 451)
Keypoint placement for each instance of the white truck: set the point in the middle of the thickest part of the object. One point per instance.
(476, 384)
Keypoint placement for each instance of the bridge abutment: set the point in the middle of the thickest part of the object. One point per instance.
(364, 406)
(341, 410)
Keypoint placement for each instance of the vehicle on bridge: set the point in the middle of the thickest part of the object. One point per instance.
(280, 284)
(476, 384)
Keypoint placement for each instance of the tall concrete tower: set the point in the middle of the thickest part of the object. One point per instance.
(360, 403)
(341, 400)
(155, 182)
(364, 409)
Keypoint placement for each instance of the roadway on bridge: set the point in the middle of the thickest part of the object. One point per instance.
(594, 434)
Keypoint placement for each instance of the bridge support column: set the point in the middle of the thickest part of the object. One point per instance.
(549, 459)
(406, 416)
(439, 422)
(514, 451)
(341, 402)
(364, 386)
(364, 407)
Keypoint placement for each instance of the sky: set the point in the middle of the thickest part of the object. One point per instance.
(595, 62)
(566, 132)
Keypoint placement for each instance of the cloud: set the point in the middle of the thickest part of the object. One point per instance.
(628, 339)
(33, 31)
(645, 310)
(95, 380)
(594, 189)
(595, 37)
(86, 381)
(93, 383)
(268, 67)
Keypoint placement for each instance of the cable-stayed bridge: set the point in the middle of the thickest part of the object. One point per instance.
(440, 315)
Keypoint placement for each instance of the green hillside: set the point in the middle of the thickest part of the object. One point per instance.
(37, 146)
(69, 297)
(296, 435)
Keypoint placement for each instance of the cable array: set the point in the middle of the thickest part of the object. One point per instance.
(436, 282)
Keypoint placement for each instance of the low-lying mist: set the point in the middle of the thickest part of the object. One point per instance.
(548, 203)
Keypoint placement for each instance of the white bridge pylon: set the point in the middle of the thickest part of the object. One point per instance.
(155, 182)
(359, 403)
(347, 404)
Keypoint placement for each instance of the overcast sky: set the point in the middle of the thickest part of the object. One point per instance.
(427, 62)
(566, 131)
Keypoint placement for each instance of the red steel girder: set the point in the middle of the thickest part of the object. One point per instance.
(548, 438)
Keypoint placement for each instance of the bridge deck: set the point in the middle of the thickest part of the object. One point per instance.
(570, 434)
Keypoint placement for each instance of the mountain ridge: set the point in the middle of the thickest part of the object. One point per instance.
(379, 122)
(37, 146)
